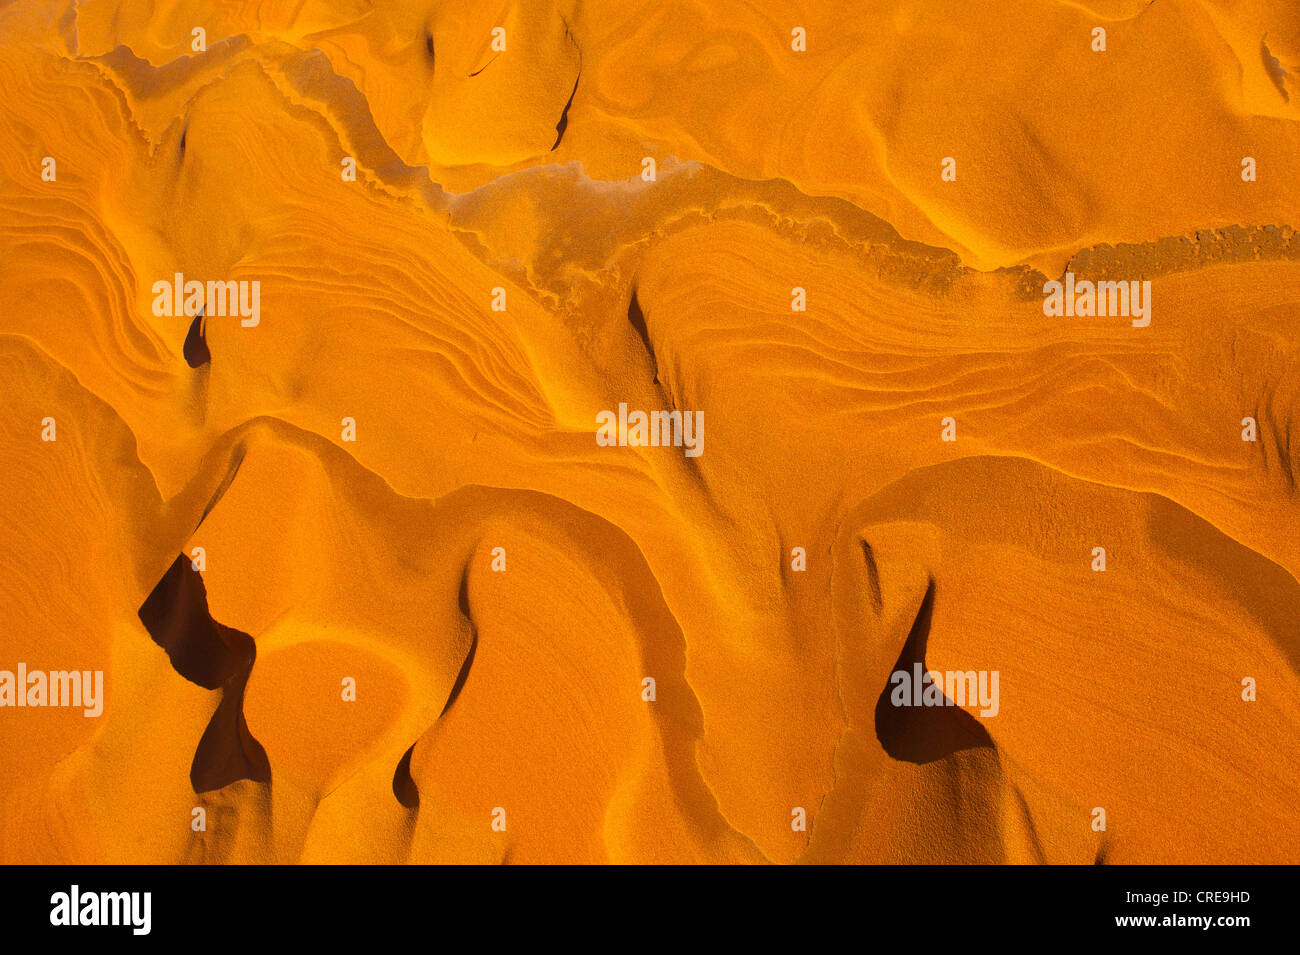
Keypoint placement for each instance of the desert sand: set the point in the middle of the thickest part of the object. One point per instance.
(364, 586)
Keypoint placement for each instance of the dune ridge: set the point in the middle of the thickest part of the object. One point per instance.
(390, 487)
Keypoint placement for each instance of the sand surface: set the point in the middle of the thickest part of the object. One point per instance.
(497, 585)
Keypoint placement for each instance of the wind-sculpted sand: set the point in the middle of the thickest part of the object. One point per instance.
(364, 580)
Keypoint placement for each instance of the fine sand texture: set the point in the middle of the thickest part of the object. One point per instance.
(380, 563)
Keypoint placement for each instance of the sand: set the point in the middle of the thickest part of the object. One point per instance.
(365, 587)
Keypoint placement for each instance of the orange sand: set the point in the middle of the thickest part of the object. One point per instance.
(478, 689)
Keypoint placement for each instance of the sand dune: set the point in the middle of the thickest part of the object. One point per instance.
(366, 586)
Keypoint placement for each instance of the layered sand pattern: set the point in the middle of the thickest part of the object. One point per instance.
(364, 583)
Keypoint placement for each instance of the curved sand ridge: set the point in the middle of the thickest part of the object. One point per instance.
(522, 690)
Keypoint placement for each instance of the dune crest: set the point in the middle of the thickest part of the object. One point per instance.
(611, 433)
